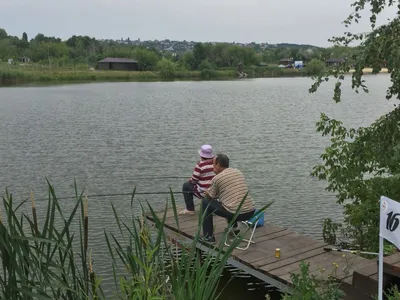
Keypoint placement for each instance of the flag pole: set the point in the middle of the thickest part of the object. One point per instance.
(380, 262)
(380, 278)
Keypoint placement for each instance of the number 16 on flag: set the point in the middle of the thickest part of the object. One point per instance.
(389, 230)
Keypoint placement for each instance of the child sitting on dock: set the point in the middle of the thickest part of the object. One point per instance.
(201, 178)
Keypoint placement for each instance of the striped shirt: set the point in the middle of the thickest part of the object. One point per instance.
(202, 175)
(230, 187)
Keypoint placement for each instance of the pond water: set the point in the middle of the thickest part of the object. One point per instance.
(108, 136)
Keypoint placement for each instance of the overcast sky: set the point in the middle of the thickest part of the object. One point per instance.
(272, 21)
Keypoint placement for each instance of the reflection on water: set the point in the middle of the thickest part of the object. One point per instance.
(238, 285)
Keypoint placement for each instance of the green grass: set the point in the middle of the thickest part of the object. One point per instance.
(37, 73)
(47, 259)
(38, 260)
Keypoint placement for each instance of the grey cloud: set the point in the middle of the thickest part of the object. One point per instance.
(273, 21)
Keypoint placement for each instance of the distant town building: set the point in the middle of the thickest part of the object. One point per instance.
(298, 64)
(334, 61)
(24, 59)
(122, 64)
(286, 61)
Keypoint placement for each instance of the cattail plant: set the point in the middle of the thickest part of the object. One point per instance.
(40, 263)
(85, 224)
(35, 223)
(43, 262)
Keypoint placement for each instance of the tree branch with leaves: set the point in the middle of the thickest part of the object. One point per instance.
(361, 164)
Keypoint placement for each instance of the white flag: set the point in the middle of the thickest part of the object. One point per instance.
(390, 221)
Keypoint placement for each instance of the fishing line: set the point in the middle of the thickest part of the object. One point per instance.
(114, 195)
(350, 251)
(121, 176)
(71, 181)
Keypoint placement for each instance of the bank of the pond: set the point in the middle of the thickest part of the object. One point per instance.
(22, 76)
(18, 76)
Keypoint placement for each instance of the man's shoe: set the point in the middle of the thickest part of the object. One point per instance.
(187, 212)
(208, 239)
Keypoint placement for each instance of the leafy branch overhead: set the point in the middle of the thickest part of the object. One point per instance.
(379, 47)
(361, 164)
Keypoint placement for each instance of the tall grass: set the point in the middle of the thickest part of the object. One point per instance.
(39, 262)
(38, 73)
(46, 259)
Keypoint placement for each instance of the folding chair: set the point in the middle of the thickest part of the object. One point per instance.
(257, 220)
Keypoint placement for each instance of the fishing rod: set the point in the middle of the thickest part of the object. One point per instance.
(115, 195)
(350, 251)
(132, 178)
(152, 177)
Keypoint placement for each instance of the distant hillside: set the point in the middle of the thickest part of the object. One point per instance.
(183, 46)
(290, 45)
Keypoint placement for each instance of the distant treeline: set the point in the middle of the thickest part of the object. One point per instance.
(86, 52)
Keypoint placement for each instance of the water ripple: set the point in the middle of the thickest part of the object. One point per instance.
(104, 135)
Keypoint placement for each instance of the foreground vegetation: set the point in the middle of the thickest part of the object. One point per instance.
(362, 164)
(38, 73)
(49, 259)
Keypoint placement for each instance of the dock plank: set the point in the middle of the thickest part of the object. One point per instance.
(282, 262)
(295, 247)
(293, 255)
(266, 248)
(323, 265)
(391, 265)
(391, 259)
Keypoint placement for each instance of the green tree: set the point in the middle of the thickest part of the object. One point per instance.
(269, 56)
(166, 68)
(188, 60)
(40, 37)
(3, 34)
(199, 54)
(205, 65)
(44, 50)
(7, 49)
(315, 67)
(113, 50)
(242, 55)
(361, 164)
(281, 53)
(147, 59)
(220, 55)
(25, 37)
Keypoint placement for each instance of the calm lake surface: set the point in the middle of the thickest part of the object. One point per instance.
(106, 135)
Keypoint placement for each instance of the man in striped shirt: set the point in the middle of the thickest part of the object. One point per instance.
(225, 195)
(201, 178)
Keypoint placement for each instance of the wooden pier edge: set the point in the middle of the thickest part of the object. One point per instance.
(260, 262)
(183, 241)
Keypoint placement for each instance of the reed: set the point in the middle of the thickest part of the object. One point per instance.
(37, 73)
(35, 224)
(39, 263)
(188, 276)
(41, 260)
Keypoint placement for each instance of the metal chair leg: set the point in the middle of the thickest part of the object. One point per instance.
(249, 241)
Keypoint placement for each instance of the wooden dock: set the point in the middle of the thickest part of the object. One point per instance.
(260, 261)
